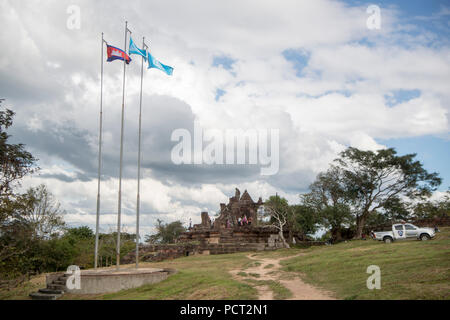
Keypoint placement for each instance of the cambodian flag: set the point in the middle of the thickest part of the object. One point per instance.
(117, 54)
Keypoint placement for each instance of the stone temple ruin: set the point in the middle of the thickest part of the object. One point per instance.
(221, 235)
(238, 207)
(226, 235)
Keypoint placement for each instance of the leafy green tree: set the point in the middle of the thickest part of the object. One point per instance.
(15, 161)
(373, 179)
(432, 209)
(305, 219)
(166, 233)
(81, 240)
(15, 250)
(30, 238)
(38, 209)
(80, 233)
(329, 201)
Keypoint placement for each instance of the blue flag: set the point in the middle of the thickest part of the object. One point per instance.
(135, 50)
(153, 63)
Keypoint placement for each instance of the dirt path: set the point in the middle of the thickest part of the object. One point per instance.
(268, 269)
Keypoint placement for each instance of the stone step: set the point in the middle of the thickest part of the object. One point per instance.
(238, 242)
(44, 296)
(61, 282)
(56, 287)
(51, 291)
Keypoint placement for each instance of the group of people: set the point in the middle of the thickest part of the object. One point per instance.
(244, 221)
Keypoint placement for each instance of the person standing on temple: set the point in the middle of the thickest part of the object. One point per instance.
(245, 221)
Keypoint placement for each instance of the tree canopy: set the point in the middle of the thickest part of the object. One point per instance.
(369, 185)
(166, 232)
(373, 179)
(15, 161)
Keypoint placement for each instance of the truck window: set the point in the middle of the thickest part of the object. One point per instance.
(409, 227)
(399, 227)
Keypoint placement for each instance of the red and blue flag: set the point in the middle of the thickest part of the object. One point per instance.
(117, 54)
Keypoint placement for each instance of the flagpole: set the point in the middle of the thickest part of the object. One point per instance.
(99, 161)
(121, 153)
(138, 200)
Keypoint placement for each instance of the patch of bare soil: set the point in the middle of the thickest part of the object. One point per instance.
(270, 269)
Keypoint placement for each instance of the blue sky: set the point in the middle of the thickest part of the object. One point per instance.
(426, 16)
(408, 7)
(433, 152)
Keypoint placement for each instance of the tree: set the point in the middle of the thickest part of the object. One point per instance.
(166, 233)
(279, 212)
(38, 209)
(328, 199)
(80, 241)
(15, 161)
(433, 209)
(80, 233)
(30, 238)
(373, 179)
(305, 219)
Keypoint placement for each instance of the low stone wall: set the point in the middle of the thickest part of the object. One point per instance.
(210, 241)
(109, 281)
(161, 252)
(437, 221)
(310, 243)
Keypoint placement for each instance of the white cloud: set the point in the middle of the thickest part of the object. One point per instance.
(51, 75)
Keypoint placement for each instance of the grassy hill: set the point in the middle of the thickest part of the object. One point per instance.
(409, 270)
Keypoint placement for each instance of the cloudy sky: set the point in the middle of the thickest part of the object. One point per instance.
(312, 69)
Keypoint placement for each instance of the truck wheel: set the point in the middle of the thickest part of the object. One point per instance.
(387, 240)
(424, 237)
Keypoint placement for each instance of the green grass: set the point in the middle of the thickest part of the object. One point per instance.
(252, 264)
(198, 278)
(280, 292)
(188, 285)
(254, 275)
(23, 291)
(269, 266)
(409, 269)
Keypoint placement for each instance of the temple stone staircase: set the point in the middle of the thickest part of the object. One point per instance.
(53, 291)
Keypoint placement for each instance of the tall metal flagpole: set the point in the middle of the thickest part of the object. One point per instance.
(138, 204)
(99, 161)
(121, 153)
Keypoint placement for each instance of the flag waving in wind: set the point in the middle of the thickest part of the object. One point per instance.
(117, 54)
(135, 50)
(153, 63)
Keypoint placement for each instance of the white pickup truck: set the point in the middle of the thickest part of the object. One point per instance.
(404, 231)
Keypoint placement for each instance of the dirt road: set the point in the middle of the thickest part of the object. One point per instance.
(269, 269)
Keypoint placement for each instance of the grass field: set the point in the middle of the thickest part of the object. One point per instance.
(409, 270)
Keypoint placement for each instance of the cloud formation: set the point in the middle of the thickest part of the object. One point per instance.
(311, 69)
